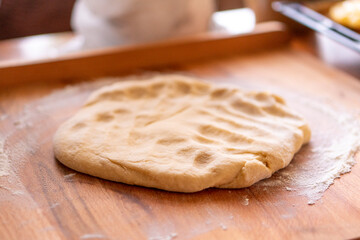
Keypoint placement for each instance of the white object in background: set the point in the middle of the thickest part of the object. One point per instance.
(114, 22)
(337, 55)
(234, 21)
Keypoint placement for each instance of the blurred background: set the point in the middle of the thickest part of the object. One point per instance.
(85, 24)
(20, 18)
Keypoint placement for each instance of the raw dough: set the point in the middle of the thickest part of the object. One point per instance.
(180, 134)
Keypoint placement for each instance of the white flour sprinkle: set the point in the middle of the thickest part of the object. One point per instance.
(27, 124)
(46, 229)
(92, 236)
(3, 117)
(4, 159)
(3, 187)
(223, 226)
(18, 192)
(167, 237)
(324, 160)
(331, 161)
(172, 236)
(54, 205)
(245, 200)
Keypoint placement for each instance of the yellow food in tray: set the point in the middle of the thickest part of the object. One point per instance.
(347, 13)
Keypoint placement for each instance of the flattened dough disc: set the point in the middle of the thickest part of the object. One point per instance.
(180, 134)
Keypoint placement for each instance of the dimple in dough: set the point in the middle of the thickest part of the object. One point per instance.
(180, 134)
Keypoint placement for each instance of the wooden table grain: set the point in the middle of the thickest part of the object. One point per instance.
(46, 200)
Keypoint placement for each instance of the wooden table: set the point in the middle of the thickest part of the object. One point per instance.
(41, 46)
(54, 202)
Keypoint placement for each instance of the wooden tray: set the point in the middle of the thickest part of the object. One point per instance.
(42, 199)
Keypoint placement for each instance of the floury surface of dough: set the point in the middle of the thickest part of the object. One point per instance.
(180, 134)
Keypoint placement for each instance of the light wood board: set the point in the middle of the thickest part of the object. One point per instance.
(42, 201)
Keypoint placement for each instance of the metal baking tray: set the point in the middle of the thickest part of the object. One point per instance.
(313, 16)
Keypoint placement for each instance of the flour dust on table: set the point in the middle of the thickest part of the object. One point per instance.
(329, 154)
